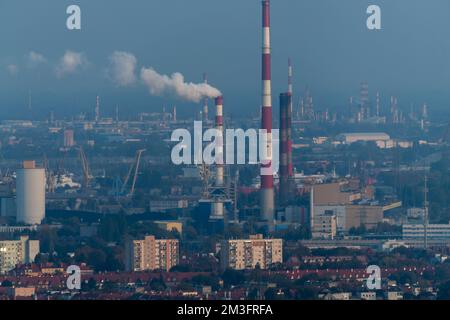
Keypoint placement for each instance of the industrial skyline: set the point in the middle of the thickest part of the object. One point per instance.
(199, 165)
(347, 53)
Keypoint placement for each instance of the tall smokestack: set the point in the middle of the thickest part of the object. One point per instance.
(267, 193)
(378, 107)
(97, 109)
(364, 99)
(174, 114)
(285, 147)
(219, 127)
(217, 211)
(205, 106)
(290, 76)
(289, 119)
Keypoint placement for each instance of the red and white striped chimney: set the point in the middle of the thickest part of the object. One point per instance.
(217, 207)
(290, 76)
(220, 142)
(267, 191)
(205, 105)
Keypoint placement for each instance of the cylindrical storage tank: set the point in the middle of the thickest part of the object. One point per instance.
(30, 188)
(217, 211)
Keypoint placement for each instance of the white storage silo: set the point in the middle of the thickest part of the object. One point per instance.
(30, 189)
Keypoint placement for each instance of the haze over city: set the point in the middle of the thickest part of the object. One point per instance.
(224, 151)
(331, 50)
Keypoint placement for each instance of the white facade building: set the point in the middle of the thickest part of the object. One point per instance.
(349, 138)
(244, 254)
(437, 234)
(337, 210)
(17, 252)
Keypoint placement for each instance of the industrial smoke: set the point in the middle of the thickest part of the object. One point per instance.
(175, 84)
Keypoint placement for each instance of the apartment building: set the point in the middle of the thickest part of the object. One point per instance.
(14, 252)
(249, 253)
(151, 254)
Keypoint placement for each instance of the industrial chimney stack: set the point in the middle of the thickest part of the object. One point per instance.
(267, 192)
(289, 120)
(205, 105)
(217, 211)
(285, 148)
(97, 109)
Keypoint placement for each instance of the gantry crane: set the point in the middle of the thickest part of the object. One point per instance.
(85, 166)
(49, 175)
(134, 168)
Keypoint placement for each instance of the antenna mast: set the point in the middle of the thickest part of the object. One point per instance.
(425, 222)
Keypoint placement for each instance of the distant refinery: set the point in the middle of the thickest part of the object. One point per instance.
(223, 190)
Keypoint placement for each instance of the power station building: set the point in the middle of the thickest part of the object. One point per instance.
(30, 190)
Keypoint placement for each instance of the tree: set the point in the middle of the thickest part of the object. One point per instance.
(307, 293)
(233, 277)
(404, 277)
(48, 238)
(158, 284)
(7, 284)
(444, 291)
(113, 228)
(89, 285)
(206, 280)
(270, 294)
(190, 233)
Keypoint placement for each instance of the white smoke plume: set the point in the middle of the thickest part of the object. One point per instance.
(70, 63)
(122, 68)
(175, 85)
(35, 58)
(13, 69)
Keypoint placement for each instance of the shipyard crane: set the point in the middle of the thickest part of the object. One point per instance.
(134, 170)
(49, 175)
(60, 164)
(85, 166)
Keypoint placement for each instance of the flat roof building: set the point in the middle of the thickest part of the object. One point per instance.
(151, 254)
(250, 253)
(349, 138)
(437, 234)
(14, 252)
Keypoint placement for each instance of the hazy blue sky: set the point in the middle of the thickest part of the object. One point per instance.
(330, 46)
